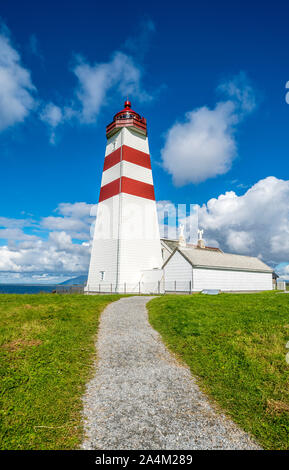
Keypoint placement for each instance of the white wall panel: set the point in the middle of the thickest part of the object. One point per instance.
(113, 143)
(137, 172)
(104, 252)
(140, 247)
(111, 174)
(230, 280)
(177, 273)
(166, 253)
(129, 137)
(135, 140)
(126, 240)
(130, 170)
(179, 270)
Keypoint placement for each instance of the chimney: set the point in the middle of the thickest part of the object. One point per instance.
(182, 240)
(201, 243)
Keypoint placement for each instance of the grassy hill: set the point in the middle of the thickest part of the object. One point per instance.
(236, 345)
(46, 353)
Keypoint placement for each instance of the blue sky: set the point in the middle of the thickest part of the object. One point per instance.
(209, 77)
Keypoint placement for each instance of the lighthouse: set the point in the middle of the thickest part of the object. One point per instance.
(126, 250)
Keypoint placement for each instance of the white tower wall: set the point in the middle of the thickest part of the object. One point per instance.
(126, 238)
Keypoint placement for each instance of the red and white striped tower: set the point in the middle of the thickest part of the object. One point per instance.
(126, 247)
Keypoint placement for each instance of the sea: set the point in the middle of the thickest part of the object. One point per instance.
(25, 288)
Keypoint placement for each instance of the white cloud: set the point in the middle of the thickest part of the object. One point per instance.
(63, 223)
(256, 223)
(99, 83)
(57, 255)
(74, 219)
(52, 115)
(6, 222)
(120, 75)
(78, 209)
(60, 240)
(241, 92)
(240, 241)
(283, 271)
(97, 80)
(204, 145)
(15, 234)
(16, 88)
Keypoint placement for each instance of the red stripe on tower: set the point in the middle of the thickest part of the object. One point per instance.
(109, 190)
(112, 159)
(137, 188)
(137, 157)
(128, 186)
(129, 154)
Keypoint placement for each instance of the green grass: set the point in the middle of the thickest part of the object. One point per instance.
(46, 354)
(235, 345)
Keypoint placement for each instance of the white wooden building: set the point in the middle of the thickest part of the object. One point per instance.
(192, 268)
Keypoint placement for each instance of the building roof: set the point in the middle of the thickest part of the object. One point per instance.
(199, 257)
(172, 244)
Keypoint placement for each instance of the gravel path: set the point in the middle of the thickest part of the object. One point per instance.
(142, 398)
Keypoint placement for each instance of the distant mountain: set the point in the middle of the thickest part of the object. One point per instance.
(75, 281)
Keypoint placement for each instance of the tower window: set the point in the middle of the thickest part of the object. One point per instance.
(102, 275)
